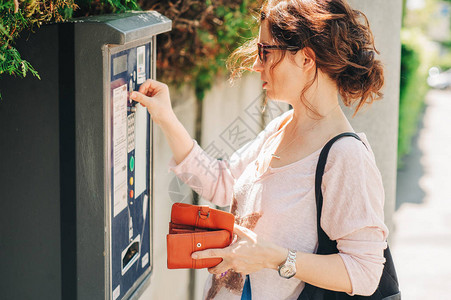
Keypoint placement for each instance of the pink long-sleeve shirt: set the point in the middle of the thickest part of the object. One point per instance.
(278, 204)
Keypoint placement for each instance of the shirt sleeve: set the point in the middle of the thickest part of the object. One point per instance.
(213, 179)
(353, 212)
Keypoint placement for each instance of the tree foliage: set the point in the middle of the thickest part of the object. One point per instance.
(17, 16)
(204, 33)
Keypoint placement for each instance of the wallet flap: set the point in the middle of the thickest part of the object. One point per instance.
(202, 216)
(181, 246)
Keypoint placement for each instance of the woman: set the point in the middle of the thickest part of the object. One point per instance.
(308, 53)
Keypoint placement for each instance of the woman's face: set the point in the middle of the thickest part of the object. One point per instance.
(286, 81)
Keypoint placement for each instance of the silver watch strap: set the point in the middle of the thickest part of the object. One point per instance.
(291, 258)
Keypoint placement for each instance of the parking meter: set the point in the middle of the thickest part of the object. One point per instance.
(126, 46)
(94, 234)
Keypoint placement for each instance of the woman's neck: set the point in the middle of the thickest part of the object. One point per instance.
(322, 96)
(305, 123)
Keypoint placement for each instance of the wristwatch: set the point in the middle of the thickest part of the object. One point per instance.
(288, 268)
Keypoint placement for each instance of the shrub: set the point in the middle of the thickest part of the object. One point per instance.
(203, 34)
(415, 63)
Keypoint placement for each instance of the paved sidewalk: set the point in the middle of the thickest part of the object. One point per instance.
(421, 242)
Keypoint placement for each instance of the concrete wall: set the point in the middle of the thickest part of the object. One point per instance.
(226, 108)
(380, 120)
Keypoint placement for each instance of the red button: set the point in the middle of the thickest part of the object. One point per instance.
(131, 194)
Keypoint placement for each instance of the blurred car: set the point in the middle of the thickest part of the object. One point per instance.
(438, 79)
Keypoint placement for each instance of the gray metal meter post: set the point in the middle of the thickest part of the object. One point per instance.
(92, 233)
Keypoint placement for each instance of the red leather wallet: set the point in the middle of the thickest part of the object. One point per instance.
(195, 228)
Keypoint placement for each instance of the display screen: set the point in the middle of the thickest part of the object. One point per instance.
(119, 64)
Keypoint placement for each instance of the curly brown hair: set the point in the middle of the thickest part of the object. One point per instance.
(340, 38)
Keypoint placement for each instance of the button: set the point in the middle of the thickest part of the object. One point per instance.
(131, 194)
(131, 180)
(132, 163)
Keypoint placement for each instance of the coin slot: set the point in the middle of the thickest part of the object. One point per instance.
(130, 255)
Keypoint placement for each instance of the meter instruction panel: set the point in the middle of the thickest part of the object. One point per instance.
(130, 239)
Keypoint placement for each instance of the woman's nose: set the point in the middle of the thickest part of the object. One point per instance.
(257, 65)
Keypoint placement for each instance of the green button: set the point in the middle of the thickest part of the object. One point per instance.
(132, 163)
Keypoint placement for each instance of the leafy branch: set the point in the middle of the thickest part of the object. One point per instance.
(16, 17)
(204, 33)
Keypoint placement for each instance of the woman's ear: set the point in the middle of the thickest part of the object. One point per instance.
(309, 60)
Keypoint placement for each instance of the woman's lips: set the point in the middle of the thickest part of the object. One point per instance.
(264, 84)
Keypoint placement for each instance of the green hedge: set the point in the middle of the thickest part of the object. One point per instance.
(413, 88)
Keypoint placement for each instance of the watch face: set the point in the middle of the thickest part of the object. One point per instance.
(287, 271)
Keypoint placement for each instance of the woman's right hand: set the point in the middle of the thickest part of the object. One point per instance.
(154, 95)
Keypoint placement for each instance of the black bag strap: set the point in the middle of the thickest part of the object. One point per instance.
(325, 245)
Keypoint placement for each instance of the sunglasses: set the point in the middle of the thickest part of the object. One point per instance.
(262, 50)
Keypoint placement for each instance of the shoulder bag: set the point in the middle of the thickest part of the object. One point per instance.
(388, 288)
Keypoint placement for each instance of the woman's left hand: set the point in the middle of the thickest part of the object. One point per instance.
(246, 255)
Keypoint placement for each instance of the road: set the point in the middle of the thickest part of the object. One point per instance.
(421, 241)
